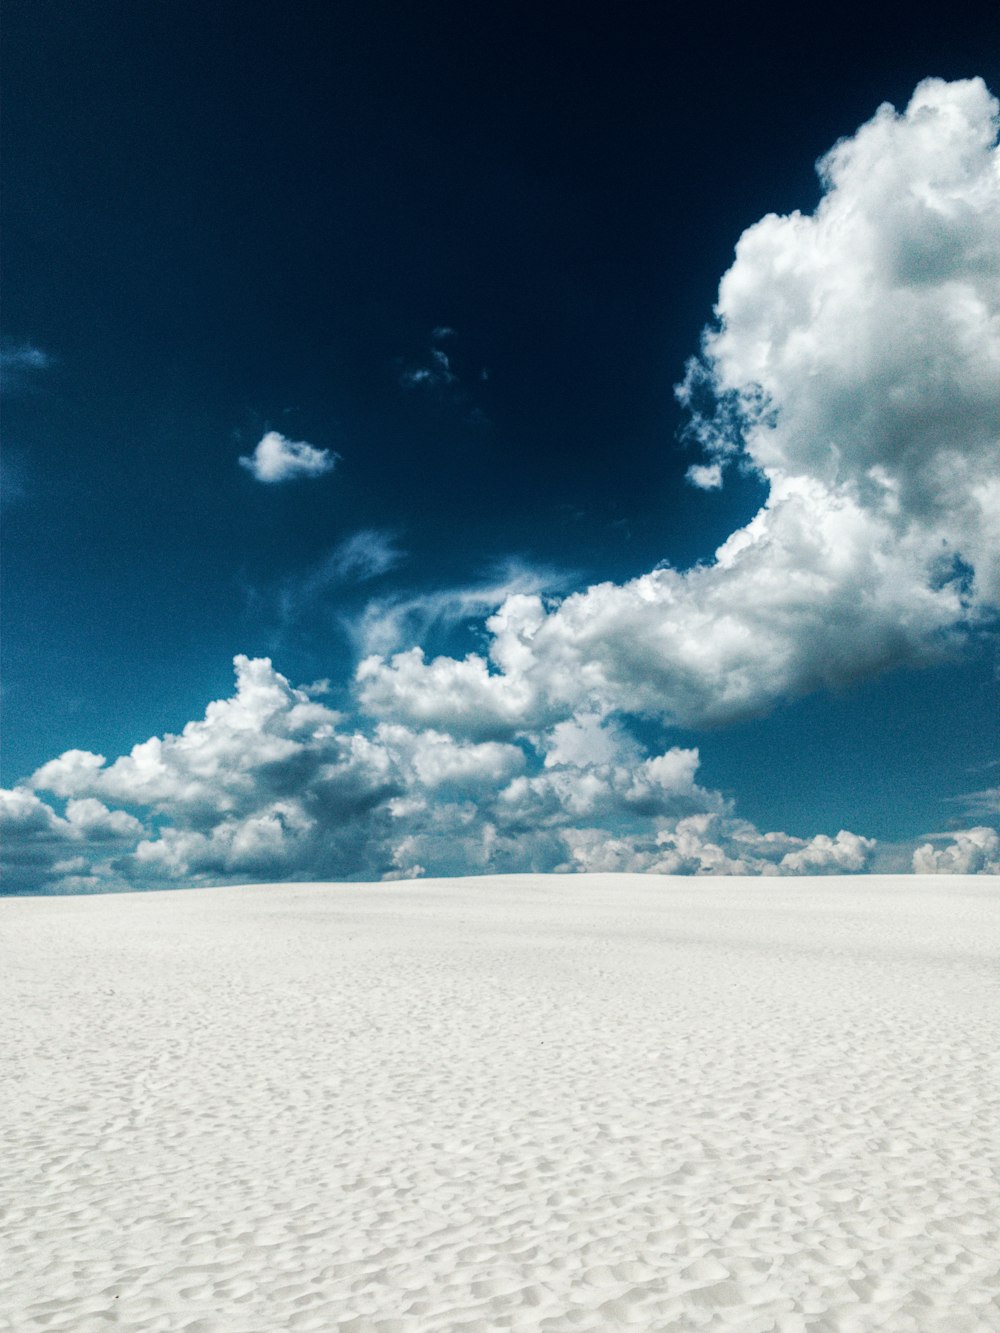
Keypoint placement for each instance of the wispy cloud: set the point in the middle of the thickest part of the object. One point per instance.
(388, 622)
(984, 804)
(364, 555)
(435, 374)
(18, 363)
(434, 370)
(359, 558)
(277, 459)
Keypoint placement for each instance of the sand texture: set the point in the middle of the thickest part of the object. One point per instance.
(530, 1103)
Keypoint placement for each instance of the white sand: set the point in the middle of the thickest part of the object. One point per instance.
(592, 1102)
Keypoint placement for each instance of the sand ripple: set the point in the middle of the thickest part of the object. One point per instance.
(592, 1103)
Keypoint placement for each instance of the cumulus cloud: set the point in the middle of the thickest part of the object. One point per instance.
(266, 783)
(975, 851)
(718, 844)
(44, 852)
(853, 366)
(860, 347)
(279, 459)
(246, 748)
(272, 783)
(457, 696)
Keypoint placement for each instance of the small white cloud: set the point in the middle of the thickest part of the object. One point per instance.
(706, 476)
(716, 843)
(279, 459)
(24, 814)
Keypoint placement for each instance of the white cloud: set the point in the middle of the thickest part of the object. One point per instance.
(95, 822)
(446, 694)
(43, 852)
(279, 459)
(862, 345)
(388, 623)
(829, 856)
(359, 558)
(715, 843)
(22, 812)
(431, 760)
(854, 367)
(222, 764)
(270, 783)
(975, 851)
(984, 804)
(364, 555)
(271, 841)
(706, 476)
(266, 783)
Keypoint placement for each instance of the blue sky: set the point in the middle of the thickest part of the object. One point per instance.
(582, 479)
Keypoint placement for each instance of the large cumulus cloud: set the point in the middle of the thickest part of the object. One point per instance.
(272, 783)
(267, 783)
(854, 366)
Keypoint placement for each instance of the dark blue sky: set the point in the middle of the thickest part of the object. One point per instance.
(221, 220)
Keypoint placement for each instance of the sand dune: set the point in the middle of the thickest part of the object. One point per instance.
(530, 1103)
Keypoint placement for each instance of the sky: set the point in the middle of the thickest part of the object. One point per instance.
(442, 439)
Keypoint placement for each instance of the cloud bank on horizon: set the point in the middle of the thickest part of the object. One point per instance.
(854, 366)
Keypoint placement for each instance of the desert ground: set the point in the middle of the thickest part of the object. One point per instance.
(530, 1102)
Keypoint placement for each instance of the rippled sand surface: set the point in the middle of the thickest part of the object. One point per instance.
(531, 1103)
